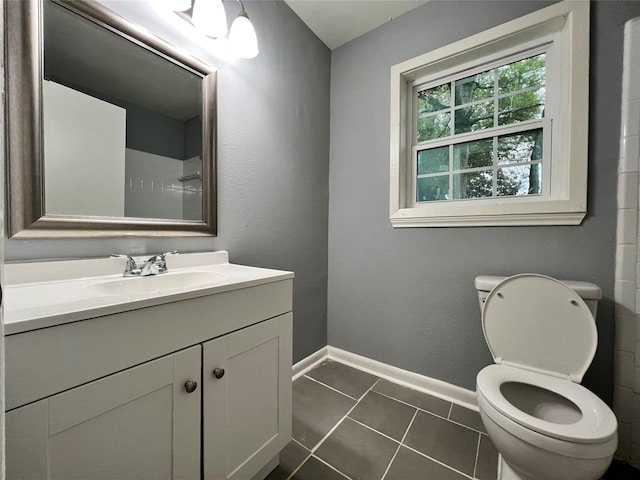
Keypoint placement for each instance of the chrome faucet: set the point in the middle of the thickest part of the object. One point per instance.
(155, 265)
(131, 268)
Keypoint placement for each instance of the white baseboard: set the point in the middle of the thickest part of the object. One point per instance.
(437, 388)
(306, 364)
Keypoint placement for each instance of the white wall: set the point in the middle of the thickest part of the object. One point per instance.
(626, 398)
(152, 186)
(84, 140)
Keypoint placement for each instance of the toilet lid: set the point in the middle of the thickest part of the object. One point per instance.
(538, 323)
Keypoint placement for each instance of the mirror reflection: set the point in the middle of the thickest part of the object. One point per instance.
(123, 128)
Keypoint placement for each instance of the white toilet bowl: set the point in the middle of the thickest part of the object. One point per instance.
(545, 425)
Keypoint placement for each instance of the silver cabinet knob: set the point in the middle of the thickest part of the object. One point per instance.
(218, 372)
(190, 386)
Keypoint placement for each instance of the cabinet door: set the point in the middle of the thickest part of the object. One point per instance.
(137, 424)
(247, 411)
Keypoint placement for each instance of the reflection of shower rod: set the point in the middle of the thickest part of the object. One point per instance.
(193, 176)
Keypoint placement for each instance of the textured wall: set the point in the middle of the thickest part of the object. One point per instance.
(273, 161)
(406, 296)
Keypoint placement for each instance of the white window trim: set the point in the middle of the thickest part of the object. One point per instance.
(565, 202)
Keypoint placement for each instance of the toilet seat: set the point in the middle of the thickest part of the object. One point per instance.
(597, 424)
(538, 323)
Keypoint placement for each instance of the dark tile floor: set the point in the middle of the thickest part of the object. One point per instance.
(348, 424)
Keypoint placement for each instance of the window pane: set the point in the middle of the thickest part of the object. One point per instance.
(476, 117)
(521, 107)
(434, 99)
(526, 73)
(433, 188)
(475, 87)
(433, 161)
(434, 126)
(520, 180)
(520, 147)
(473, 154)
(472, 184)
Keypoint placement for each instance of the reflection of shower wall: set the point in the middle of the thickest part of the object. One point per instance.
(192, 194)
(152, 189)
(192, 199)
(160, 150)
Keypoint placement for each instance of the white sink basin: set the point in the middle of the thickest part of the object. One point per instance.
(157, 284)
(44, 294)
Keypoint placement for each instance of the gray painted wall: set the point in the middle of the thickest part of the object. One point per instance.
(273, 162)
(406, 296)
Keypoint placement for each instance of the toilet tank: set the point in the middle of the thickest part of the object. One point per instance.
(589, 292)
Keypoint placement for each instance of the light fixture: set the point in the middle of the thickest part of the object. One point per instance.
(209, 17)
(242, 36)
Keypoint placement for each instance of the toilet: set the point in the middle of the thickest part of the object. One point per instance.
(542, 335)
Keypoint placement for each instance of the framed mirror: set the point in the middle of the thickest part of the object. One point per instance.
(110, 130)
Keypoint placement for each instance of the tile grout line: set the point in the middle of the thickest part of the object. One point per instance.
(330, 466)
(400, 444)
(313, 450)
(475, 465)
(450, 410)
(307, 457)
(332, 388)
(411, 405)
(432, 413)
(373, 429)
(466, 475)
(293, 439)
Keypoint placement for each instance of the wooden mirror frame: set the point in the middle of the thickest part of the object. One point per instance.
(24, 130)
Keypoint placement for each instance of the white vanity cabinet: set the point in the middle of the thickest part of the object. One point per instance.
(137, 424)
(108, 398)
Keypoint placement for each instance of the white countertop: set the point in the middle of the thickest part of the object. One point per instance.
(45, 294)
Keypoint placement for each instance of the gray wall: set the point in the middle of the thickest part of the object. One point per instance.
(406, 296)
(273, 162)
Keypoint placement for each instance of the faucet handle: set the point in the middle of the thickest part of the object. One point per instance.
(130, 267)
(156, 264)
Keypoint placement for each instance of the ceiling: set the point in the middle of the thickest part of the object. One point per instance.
(336, 22)
(93, 60)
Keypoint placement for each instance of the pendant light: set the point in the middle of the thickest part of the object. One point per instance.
(242, 36)
(210, 18)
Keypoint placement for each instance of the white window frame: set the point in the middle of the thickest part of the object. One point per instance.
(563, 31)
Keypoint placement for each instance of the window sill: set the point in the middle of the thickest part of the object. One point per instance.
(440, 215)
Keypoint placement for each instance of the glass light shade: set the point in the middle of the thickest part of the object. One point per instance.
(242, 37)
(210, 18)
(179, 5)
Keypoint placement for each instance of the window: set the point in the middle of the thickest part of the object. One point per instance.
(492, 130)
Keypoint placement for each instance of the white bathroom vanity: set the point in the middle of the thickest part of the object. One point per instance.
(183, 375)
